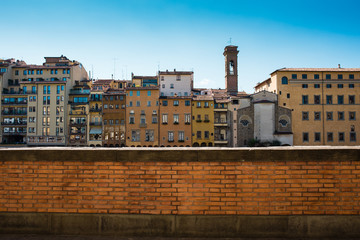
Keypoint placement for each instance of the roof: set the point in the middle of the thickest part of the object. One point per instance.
(143, 88)
(261, 83)
(203, 98)
(175, 97)
(317, 70)
(175, 72)
(142, 77)
(103, 81)
(41, 66)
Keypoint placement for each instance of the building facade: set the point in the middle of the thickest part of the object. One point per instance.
(325, 103)
(175, 83)
(175, 122)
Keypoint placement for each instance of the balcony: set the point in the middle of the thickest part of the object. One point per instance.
(77, 133)
(14, 113)
(77, 113)
(220, 109)
(4, 102)
(21, 123)
(220, 140)
(13, 92)
(72, 124)
(78, 103)
(220, 122)
(95, 109)
(13, 133)
(80, 91)
(95, 123)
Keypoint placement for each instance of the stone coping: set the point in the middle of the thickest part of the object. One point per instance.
(323, 153)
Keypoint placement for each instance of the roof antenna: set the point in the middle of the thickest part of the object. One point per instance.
(229, 42)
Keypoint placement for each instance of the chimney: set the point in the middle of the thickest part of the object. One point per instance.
(339, 65)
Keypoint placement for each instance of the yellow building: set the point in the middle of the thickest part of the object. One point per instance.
(325, 103)
(202, 121)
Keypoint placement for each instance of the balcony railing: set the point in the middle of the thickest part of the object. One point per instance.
(14, 112)
(220, 121)
(13, 133)
(77, 133)
(95, 109)
(77, 113)
(80, 91)
(15, 102)
(14, 123)
(13, 93)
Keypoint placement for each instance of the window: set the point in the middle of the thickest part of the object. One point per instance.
(352, 116)
(62, 87)
(138, 103)
(351, 99)
(162, 78)
(351, 85)
(198, 104)
(138, 93)
(148, 103)
(304, 76)
(24, 72)
(341, 137)
(131, 120)
(164, 118)
(149, 93)
(176, 102)
(198, 134)
(206, 118)
(44, 89)
(48, 90)
(330, 137)
(340, 99)
(181, 136)
(353, 137)
(130, 93)
(284, 80)
(328, 76)
(305, 99)
(328, 85)
(130, 104)
(178, 78)
(172, 86)
(317, 137)
(317, 116)
(316, 76)
(149, 135)
(206, 104)
(288, 95)
(56, 71)
(340, 76)
(305, 116)
(316, 85)
(305, 137)
(164, 103)
(351, 76)
(154, 119)
(135, 135)
(294, 76)
(187, 118)
(187, 103)
(16, 72)
(176, 118)
(304, 86)
(317, 99)
(206, 134)
(341, 116)
(328, 99)
(340, 85)
(329, 116)
(170, 136)
(163, 85)
(142, 119)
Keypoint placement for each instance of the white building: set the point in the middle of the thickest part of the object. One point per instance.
(176, 83)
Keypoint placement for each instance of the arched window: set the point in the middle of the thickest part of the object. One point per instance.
(231, 67)
(284, 80)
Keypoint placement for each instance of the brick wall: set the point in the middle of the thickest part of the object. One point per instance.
(291, 181)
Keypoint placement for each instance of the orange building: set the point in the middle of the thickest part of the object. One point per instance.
(175, 121)
(114, 118)
(142, 109)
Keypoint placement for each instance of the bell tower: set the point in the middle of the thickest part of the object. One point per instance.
(231, 69)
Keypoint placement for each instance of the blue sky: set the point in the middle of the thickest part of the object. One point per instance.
(114, 36)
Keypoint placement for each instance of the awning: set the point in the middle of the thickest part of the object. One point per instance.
(95, 131)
